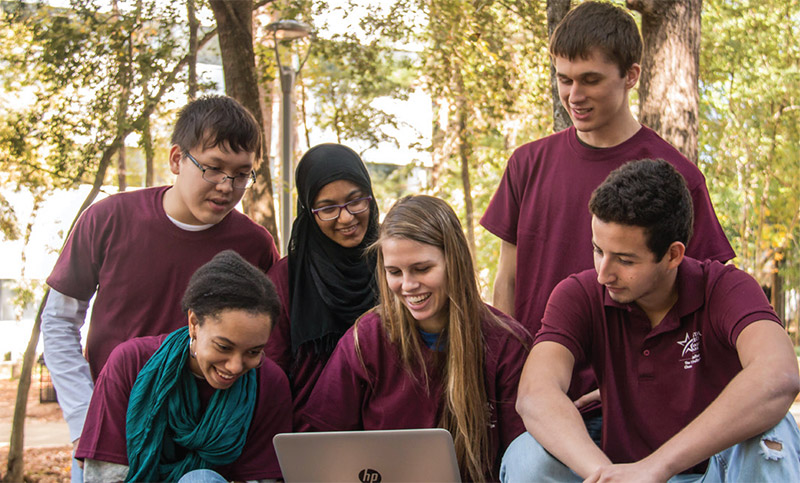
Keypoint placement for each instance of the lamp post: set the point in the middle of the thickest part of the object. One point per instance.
(287, 30)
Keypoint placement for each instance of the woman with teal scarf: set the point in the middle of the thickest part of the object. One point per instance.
(202, 397)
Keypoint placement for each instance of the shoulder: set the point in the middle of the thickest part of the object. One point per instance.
(660, 149)
(137, 348)
(582, 283)
(532, 150)
(720, 280)
(279, 273)
(273, 379)
(508, 330)
(121, 204)
(128, 358)
(242, 223)
(367, 333)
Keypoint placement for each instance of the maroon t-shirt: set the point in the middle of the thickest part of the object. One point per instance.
(655, 381)
(381, 394)
(305, 367)
(103, 436)
(541, 206)
(139, 263)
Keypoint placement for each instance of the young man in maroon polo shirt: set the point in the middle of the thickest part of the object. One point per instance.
(539, 209)
(696, 372)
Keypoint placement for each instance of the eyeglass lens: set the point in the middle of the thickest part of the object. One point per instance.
(240, 181)
(354, 207)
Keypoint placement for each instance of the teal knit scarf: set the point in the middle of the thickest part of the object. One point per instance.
(164, 412)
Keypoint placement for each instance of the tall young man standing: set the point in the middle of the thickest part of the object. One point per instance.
(539, 209)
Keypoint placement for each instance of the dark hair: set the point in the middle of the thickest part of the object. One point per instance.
(229, 281)
(602, 26)
(217, 120)
(651, 194)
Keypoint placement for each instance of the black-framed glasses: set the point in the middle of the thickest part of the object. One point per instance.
(217, 176)
(354, 207)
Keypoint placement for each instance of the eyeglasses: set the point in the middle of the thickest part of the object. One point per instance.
(217, 176)
(354, 207)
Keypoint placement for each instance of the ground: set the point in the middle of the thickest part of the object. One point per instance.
(41, 464)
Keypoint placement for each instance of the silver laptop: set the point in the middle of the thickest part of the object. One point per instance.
(368, 456)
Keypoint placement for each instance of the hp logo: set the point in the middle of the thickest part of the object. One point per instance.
(369, 476)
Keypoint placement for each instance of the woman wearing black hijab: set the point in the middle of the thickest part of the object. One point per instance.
(326, 282)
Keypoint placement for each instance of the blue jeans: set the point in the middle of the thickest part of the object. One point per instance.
(77, 472)
(751, 460)
(202, 476)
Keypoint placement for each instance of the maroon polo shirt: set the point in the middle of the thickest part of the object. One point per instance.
(654, 381)
(382, 394)
(104, 438)
(541, 206)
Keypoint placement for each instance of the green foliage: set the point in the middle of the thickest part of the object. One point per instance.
(749, 132)
(76, 81)
(89, 74)
(749, 136)
(487, 68)
(345, 77)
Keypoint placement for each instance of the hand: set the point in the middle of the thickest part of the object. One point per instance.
(639, 472)
(587, 398)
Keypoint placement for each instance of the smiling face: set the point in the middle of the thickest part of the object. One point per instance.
(628, 269)
(417, 274)
(227, 345)
(347, 230)
(195, 201)
(596, 98)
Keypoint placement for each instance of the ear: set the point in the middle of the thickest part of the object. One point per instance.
(632, 76)
(194, 322)
(675, 254)
(175, 157)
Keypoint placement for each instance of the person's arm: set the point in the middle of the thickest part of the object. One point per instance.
(752, 402)
(62, 319)
(505, 280)
(549, 414)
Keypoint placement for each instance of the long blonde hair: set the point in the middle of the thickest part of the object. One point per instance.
(466, 414)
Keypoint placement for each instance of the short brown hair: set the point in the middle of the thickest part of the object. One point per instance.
(602, 26)
(214, 120)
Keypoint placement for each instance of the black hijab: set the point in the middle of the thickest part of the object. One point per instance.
(330, 286)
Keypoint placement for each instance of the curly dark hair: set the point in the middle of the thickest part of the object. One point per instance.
(651, 194)
(602, 26)
(229, 281)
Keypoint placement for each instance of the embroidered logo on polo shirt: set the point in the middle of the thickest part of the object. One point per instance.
(690, 352)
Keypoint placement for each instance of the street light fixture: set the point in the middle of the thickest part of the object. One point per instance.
(287, 31)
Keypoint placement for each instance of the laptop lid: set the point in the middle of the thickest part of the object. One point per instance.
(368, 456)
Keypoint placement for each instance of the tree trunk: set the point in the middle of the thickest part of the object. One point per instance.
(777, 297)
(194, 24)
(556, 9)
(668, 91)
(16, 467)
(122, 178)
(464, 154)
(149, 154)
(235, 29)
(16, 464)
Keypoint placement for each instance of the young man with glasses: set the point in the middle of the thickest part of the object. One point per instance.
(137, 250)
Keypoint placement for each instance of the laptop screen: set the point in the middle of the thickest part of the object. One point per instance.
(368, 456)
